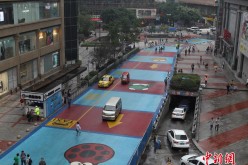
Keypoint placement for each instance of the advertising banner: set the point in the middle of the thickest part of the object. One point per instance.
(244, 34)
(146, 13)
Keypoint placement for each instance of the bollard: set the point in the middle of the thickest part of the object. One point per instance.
(35, 124)
(9, 143)
(27, 130)
(18, 136)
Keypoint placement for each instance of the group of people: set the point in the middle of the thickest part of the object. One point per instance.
(215, 124)
(230, 87)
(25, 159)
(209, 50)
(190, 49)
(33, 113)
(160, 49)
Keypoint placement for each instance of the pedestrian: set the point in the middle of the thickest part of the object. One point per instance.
(23, 158)
(193, 49)
(78, 128)
(227, 88)
(206, 79)
(200, 59)
(37, 112)
(217, 123)
(215, 69)
(16, 159)
(155, 143)
(29, 161)
(189, 50)
(42, 161)
(69, 102)
(185, 52)
(211, 123)
(192, 67)
(215, 52)
(246, 83)
(223, 65)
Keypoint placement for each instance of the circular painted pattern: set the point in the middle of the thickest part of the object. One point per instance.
(139, 87)
(89, 152)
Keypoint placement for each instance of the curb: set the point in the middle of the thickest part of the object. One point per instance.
(198, 147)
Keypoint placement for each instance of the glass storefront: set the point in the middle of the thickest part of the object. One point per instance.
(8, 80)
(7, 48)
(48, 36)
(28, 71)
(49, 62)
(25, 12)
(27, 42)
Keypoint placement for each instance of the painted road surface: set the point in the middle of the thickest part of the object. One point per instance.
(104, 142)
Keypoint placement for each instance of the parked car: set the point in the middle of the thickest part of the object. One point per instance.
(179, 113)
(178, 138)
(106, 81)
(203, 31)
(192, 29)
(212, 28)
(193, 159)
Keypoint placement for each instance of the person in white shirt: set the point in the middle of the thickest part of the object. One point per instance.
(78, 128)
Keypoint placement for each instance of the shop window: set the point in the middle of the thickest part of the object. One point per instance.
(49, 10)
(27, 42)
(49, 36)
(7, 48)
(49, 62)
(28, 71)
(6, 14)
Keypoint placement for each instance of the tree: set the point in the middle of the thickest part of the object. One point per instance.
(175, 12)
(84, 24)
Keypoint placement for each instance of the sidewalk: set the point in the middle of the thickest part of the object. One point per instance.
(232, 108)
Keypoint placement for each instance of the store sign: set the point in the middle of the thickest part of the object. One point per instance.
(52, 91)
(26, 95)
(146, 13)
(244, 35)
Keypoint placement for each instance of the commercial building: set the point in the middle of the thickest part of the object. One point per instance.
(232, 35)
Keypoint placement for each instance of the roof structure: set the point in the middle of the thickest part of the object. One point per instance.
(199, 2)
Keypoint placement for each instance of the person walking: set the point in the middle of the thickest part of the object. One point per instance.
(192, 67)
(217, 123)
(155, 143)
(37, 112)
(42, 161)
(78, 128)
(185, 52)
(29, 161)
(223, 65)
(227, 88)
(246, 83)
(200, 59)
(206, 79)
(16, 159)
(23, 158)
(211, 123)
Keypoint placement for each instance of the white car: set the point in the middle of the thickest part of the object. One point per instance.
(194, 159)
(178, 138)
(179, 113)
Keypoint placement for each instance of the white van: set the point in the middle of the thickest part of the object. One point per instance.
(203, 31)
(112, 109)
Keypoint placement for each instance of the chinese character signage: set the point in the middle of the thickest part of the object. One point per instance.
(244, 35)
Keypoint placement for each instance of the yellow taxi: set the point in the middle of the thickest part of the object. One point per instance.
(106, 81)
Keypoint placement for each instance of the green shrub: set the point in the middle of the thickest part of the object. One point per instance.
(185, 82)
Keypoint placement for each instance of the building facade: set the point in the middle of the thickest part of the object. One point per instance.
(233, 35)
(31, 41)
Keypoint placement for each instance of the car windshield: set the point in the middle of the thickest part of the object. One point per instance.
(109, 108)
(105, 79)
(124, 76)
(181, 137)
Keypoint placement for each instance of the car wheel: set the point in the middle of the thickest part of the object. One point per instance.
(183, 164)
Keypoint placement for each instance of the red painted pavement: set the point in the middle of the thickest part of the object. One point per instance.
(214, 94)
(90, 119)
(224, 139)
(223, 111)
(146, 66)
(4, 144)
(149, 53)
(154, 87)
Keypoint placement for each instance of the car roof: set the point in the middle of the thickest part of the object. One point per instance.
(200, 158)
(106, 75)
(125, 73)
(179, 132)
(178, 109)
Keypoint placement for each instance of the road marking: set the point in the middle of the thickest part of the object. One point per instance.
(112, 124)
